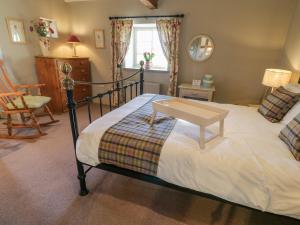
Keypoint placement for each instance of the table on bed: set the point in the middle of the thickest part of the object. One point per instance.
(192, 111)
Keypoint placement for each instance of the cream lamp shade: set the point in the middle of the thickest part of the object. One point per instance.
(275, 78)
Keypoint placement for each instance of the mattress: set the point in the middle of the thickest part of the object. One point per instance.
(250, 165)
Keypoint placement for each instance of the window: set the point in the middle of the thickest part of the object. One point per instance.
(144, 38)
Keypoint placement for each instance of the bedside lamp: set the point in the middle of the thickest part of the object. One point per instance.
(275, 78)
(74, 40)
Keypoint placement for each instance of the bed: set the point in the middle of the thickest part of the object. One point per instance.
(249, 166)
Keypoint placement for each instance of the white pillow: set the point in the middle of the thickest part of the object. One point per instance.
(291, 114)
(295, 88)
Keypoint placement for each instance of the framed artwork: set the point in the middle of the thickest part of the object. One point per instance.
(16, 30)
(53, 26)
(99, 38)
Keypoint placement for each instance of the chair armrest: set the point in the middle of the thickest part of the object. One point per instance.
(8, 94)
(20, 86)
(29, 87)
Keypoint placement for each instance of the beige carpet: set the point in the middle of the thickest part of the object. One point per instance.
(38, 186)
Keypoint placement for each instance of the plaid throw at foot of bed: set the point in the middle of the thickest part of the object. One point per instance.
(133, 144)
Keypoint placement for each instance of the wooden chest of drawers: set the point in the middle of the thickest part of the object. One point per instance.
(48, 73)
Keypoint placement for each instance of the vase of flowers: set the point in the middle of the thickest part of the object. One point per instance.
(45, 46)
(43, 29)
(148, 59)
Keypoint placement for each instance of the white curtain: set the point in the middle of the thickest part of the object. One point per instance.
(168, 31)
(8, 68)
(121, 33)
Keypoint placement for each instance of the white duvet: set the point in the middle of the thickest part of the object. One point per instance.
(250, 165)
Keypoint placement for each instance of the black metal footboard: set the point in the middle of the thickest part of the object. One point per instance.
(117, 95)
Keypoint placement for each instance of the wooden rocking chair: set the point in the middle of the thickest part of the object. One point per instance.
(18, 100)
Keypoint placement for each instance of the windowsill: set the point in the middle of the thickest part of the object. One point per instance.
(147, 70)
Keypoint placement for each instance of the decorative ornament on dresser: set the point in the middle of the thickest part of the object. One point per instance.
(44, 30)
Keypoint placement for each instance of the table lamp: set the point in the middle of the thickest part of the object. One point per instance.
(274, 78)
(74, 40)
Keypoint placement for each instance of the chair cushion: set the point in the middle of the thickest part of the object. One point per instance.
(291, 136)
(33, 102)
(277, 104)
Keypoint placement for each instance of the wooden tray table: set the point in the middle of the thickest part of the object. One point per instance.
(192, 111)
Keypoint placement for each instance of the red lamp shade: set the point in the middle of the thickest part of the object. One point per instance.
(73, 39)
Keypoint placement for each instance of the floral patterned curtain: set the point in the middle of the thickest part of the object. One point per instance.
(168, 32)
(121, 33)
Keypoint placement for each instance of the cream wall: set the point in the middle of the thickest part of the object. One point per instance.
(291, 53)
(21, 57)
(249, 37)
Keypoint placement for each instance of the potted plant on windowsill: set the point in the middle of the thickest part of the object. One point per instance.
(148, 59)
(43, 29)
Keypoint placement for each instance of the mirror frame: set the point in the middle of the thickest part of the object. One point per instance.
(193, 39)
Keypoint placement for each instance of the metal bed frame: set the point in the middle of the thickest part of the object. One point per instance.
(69, 84)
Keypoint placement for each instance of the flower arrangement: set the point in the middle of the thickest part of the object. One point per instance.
(148, 56)
(41, 27)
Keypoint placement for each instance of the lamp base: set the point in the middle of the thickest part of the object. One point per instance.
(74, 51)
(268, 91)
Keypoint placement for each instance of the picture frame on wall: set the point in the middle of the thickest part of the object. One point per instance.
(99, 38)
(16, 30)
(53, 26)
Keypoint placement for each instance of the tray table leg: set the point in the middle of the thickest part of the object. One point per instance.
(221, 128)
(153, 117)
(202, 137)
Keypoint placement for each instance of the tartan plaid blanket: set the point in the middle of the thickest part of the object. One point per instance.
(133, 144)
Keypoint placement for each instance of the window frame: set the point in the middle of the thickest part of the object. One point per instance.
(136, 65)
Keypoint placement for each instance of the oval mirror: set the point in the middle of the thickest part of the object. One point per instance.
(201, 48)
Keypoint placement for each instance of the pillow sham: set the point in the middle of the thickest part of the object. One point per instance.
(295, 88)
(291, 114)
(277, 104)
(291, 136)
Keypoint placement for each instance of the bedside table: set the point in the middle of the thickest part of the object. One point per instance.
(196, 92)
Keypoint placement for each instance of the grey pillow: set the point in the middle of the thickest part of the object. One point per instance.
(291, 136)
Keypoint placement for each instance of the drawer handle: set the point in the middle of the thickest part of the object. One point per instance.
(82, 71)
